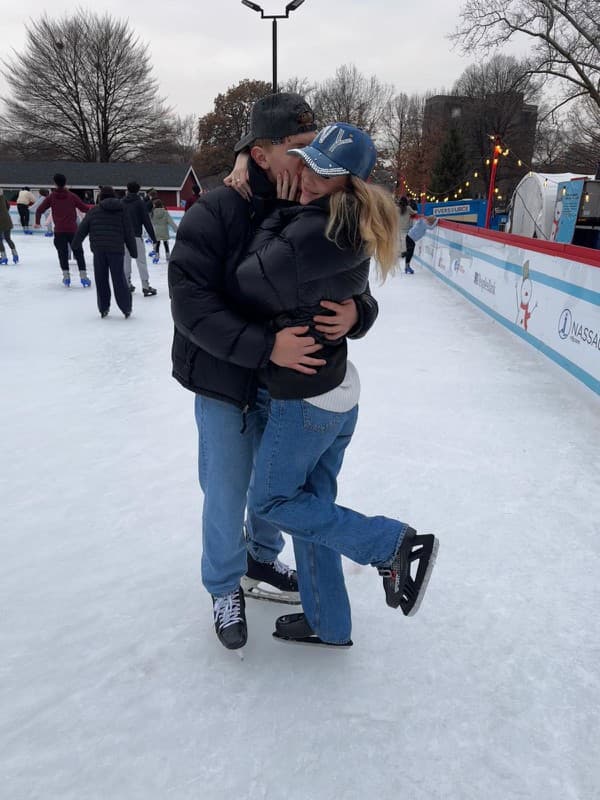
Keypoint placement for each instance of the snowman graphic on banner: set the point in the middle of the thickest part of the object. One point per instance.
(524, 289)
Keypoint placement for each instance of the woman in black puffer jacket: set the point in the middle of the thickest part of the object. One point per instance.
(321, 248)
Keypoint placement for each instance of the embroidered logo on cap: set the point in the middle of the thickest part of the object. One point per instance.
(339, 140)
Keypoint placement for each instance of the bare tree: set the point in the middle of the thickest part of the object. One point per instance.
(499, 94)
(179, 145)
(565, 36)
(300, 86)
(352, 97)
(407, 148)
(551, 141)
(583, 151)
(395, 127)
(585, 117)
(83, 89)
(220, 129)
(498, 76)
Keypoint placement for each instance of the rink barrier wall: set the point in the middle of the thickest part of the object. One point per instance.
(174, 211)
(546, 293)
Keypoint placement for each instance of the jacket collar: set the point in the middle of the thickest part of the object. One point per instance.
(259, 181)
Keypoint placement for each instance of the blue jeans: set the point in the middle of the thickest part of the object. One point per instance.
(225, 459)
(295, 487)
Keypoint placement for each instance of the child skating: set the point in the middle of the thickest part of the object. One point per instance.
(162, 221)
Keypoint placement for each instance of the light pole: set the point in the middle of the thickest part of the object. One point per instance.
(497, 149)
(291, 6)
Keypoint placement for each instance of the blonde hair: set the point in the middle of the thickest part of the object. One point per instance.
(366, 216)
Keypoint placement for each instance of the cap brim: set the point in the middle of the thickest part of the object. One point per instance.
(318, 162)
(244, 142)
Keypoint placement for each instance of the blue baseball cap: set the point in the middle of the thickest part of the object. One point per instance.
(339, 149)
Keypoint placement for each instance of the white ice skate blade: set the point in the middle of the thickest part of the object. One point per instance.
(254, 589)
(430, 566)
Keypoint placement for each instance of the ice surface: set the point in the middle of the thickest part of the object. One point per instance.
(113, 685)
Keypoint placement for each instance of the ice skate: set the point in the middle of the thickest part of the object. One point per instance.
(148, 291)
(104, 314)
(85, 281)
(229, 614)
(15, 257)
(409, 270)
(48, 234)
(3, 258)
(281, 580)
(155, 258)
(405, 579)
(295, 628)
(66, 278)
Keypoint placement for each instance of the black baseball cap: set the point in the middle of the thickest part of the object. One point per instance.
(277, 116)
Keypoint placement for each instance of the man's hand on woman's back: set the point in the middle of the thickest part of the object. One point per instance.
(293, 350)
(341, 322)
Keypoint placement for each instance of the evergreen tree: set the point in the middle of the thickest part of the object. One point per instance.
(451, 164)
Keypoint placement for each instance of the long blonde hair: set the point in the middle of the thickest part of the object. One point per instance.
(366, 216)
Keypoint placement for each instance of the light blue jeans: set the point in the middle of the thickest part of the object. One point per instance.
(294, 489)
(225, 458)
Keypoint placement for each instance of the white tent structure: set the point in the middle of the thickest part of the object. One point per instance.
(532, 205)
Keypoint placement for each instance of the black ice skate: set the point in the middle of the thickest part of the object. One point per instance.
(295, 628)
(229, 613)
(282, 581)
(405, 579)
(148, 291)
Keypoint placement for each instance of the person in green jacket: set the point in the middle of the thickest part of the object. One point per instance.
(6, 225)
(162, 221)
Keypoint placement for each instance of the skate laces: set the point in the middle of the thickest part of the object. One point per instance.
(282, 568)
(227, 610)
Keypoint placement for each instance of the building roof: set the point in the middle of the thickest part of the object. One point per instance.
(89, 175)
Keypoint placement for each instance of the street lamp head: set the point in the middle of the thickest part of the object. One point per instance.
(293, 5)
(253, 6)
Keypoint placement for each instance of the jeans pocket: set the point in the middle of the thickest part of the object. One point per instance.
(317, 419)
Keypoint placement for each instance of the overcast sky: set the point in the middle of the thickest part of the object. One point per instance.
(201, 48)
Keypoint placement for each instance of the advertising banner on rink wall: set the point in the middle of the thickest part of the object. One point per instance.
(176, 213)
(546, 293)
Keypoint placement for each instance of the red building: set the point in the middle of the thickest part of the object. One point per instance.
(172, 182)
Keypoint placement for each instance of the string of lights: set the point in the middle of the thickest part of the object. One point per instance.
(456, 192)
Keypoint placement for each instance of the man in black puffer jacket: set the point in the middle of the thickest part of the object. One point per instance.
(109, 231)
(218, 349)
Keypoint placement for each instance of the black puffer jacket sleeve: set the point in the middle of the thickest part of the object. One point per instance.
(368, 309)
(209, 244)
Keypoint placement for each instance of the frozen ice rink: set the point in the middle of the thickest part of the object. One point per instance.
(112, 683)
